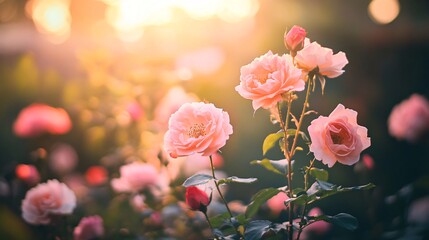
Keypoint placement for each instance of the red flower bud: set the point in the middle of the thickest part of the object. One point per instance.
(27, 173)
(294, 39)
(197, 199)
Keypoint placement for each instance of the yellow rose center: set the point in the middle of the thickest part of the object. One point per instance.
(196, 130)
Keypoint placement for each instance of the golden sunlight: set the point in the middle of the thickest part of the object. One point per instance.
(51, 17)
(383, 11)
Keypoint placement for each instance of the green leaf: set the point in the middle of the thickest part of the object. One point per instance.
(292, 132)
(321, 189)
(256, 229)
(300, 200)
(276, 166)
(197, 179)
(343, 220)
(218, 220)
(320, 174)
(270, 141)
(235, 179)
(262, 229)
(258, 199)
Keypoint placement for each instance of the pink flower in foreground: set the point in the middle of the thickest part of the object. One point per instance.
(338, 137)
(277, 203)
(38, 119)
(89, 228)
(135, 177)
(409, 120)
(294, 39)
(27, 173)
(197, 128)
(267, 77)
(314, 56)
(47, 199)
(197, 199)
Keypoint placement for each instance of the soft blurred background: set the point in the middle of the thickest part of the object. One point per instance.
(109, 64)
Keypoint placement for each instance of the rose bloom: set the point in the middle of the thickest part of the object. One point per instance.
(47, 199)
(409, 120)
(197, 128)
(267, 77)
(338, 137)
(277, 203)
(89, 228)
(135, 177)
(38, 119)
(197, 199)
(294, 39)
(314, 56)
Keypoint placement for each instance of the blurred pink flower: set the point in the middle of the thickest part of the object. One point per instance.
(38, 119)
(27, 173)
(368, 162)
(409, 120)
(294, 38)
(197, 128)
(314, 56)
(135, 177)
(267, 77)
(47, 199)
(276, 204)
(63, 158)
(96, 175)
(135, 110)
(89, 228)
(338, 137)
(319, 227)
(170, 103)
(196, 163)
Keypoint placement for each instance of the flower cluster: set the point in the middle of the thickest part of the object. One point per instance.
(272, 82)
(141, 179)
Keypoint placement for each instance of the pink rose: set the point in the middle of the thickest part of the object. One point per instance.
(338, 137)
(277, 203)
(135, 177)
(294, 39)
(47, 199)
(197, 128)
(409, 120)
(267, 77)
(314, 56)
(89, 228)
(38, 119)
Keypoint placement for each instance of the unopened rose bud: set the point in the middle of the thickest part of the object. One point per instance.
(294, 39)
(197, 199)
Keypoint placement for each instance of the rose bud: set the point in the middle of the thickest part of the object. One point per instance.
(294, 39)
(197, 199)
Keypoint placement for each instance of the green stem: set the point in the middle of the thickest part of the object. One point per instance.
(208, 221)
(301, 227)
(304, 108)
(217, 187)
